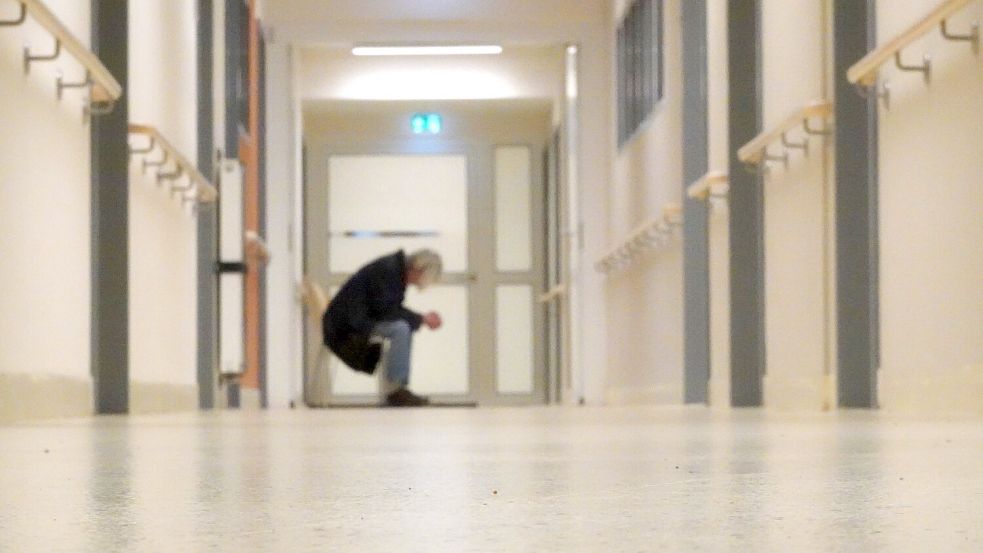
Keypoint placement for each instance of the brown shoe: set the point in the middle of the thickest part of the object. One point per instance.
(405, 398)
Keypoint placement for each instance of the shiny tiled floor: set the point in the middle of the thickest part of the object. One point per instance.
(509, 480)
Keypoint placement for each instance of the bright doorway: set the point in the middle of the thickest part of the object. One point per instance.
(477, 194)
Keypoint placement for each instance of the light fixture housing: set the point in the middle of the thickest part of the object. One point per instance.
(428, 50)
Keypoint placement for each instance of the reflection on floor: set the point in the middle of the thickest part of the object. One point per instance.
(539, 479)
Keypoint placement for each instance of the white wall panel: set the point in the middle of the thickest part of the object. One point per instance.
(931, 221)
(719, 235)
(425, 194)
(440, 358)
(514, 340)
(284, 314)
(645, 303)
(44, 211)
(162, 92)
(513, 208)
(796, 207)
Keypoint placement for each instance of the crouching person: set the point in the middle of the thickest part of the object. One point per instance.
(368, 309)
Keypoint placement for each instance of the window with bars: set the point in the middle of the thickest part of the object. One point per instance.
(639, 65)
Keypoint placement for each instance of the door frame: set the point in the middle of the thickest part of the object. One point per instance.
(481, 277)
(554, 305)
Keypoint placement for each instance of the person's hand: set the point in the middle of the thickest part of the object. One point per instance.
(432, 320)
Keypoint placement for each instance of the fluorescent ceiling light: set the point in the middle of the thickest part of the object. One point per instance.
(426, 50)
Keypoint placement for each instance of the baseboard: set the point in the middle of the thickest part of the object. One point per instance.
(648, 395)
(719, 392)
(958, 391)
(30, 397)
(155, 397)
(809, 393)
(249, 399)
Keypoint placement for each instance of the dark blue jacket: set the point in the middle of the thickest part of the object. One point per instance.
(372, 295)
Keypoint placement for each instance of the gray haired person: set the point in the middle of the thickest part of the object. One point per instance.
(369, 307)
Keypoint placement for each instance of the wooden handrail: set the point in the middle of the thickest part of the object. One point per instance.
(314, 298)
(672, 213)
(105, 87)
(713, 183)
(553, 293)
(864, 72)
(204, 191)
(753, 152)
(257, 250)
(671, 216)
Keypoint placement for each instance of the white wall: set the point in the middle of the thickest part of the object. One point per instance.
(931, 221)
(645, 301)
(795, 203)
(719, 234)
(284, 316)
(44, 226)
(163, 287)
(340, 123)
(595, 137)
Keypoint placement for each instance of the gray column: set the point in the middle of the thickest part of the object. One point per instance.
(261, 140)
(856, 211)
(110, 218)
(747, 314)
(207, 216)
(696, 264)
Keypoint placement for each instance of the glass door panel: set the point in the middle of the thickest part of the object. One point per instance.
(382, 203)
(514, 339)
(378, 204)
(440, 358)
(513, 208)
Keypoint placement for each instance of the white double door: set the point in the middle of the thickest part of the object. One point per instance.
(482, 210)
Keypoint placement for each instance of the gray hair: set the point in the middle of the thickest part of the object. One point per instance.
(428, 262)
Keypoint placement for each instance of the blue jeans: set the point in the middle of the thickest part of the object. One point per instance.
(400, 337)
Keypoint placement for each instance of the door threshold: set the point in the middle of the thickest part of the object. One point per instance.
(437, 404)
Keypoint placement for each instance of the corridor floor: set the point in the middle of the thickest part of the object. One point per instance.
(508, 480)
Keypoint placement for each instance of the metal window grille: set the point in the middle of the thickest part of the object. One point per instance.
(639, 63)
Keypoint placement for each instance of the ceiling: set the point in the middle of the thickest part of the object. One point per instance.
(519, 72)
(509, 107)
(533, 32)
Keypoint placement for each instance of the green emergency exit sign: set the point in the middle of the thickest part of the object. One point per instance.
(426, 123)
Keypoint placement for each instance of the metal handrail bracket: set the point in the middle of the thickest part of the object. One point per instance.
(198, 188)
(865, 72)
(105, 90)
